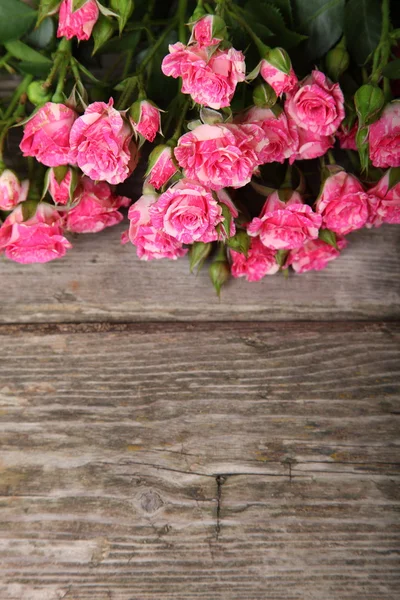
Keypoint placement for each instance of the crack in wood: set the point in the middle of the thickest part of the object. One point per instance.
(220, 479)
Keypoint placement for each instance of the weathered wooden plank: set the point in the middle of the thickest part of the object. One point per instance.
(222, 461)
(99, 280)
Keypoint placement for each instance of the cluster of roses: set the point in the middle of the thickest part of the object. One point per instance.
(186, 198)
(216, 155)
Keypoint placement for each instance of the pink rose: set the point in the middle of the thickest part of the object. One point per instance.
(384, 202)
(101, 143)
(12, 191)
(188, 212)
(96, 208)
(150, 242)
(311, 145)
(60, 190)
(161, 166)
(347, 137)
(317, 105)
(279, 81)
(37, 240)
(314, 255)
(260, 261)
(202, 31)
(79, 22)
(281, 137)
(210, 81)
(285, 225)
(343, 203)
(145, 119)
(384, 137)
(221, 155)
(46, 134)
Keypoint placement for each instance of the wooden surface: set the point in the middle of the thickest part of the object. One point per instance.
(156, 443)
(207, 462)
(100, 280)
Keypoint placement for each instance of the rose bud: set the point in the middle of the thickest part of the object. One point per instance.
(46, 134)
(37, 239)
(384, 200)
(210, 30)
(145, 119)
(276, 69)
(12, 190)
(61, 183)
(384, 137)
(337, 61)
(161, 166)
(369, 100)
(37, 94)
(79, 22)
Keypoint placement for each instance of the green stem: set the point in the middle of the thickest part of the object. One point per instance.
(63, 51)
(234, 12)
(128, 60)
(128, 91)
(17, 96)
(331, 158)
(62, 76)
(182, 6)
(5, 58)
(287, 182)
(382, 53)
(178, 128)
(75, 71)
(156, 46)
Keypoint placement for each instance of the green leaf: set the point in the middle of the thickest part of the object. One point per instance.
(16, 18)
(322, 21)
(43, 35)
(47, 8)
(362, 27)
(121, 44)
(38, 69)
(77, 4)
(226, 223)
(285, 8)
(124, 8)
(29, 209)
(102, 32)
(281, 256)
(328, 236)
(198, 254)
(240, 242)
(267, 13)
(24, 52)
(394, 176)
(392, 70)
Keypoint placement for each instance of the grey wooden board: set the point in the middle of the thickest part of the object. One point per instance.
(100, 280)
(210, 461)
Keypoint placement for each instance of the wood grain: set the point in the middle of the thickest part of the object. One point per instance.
(100, 280)
(222, 461)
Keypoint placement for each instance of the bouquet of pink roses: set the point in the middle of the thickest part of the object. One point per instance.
(268, 130)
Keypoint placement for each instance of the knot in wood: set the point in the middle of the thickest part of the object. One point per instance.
(150, 501)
